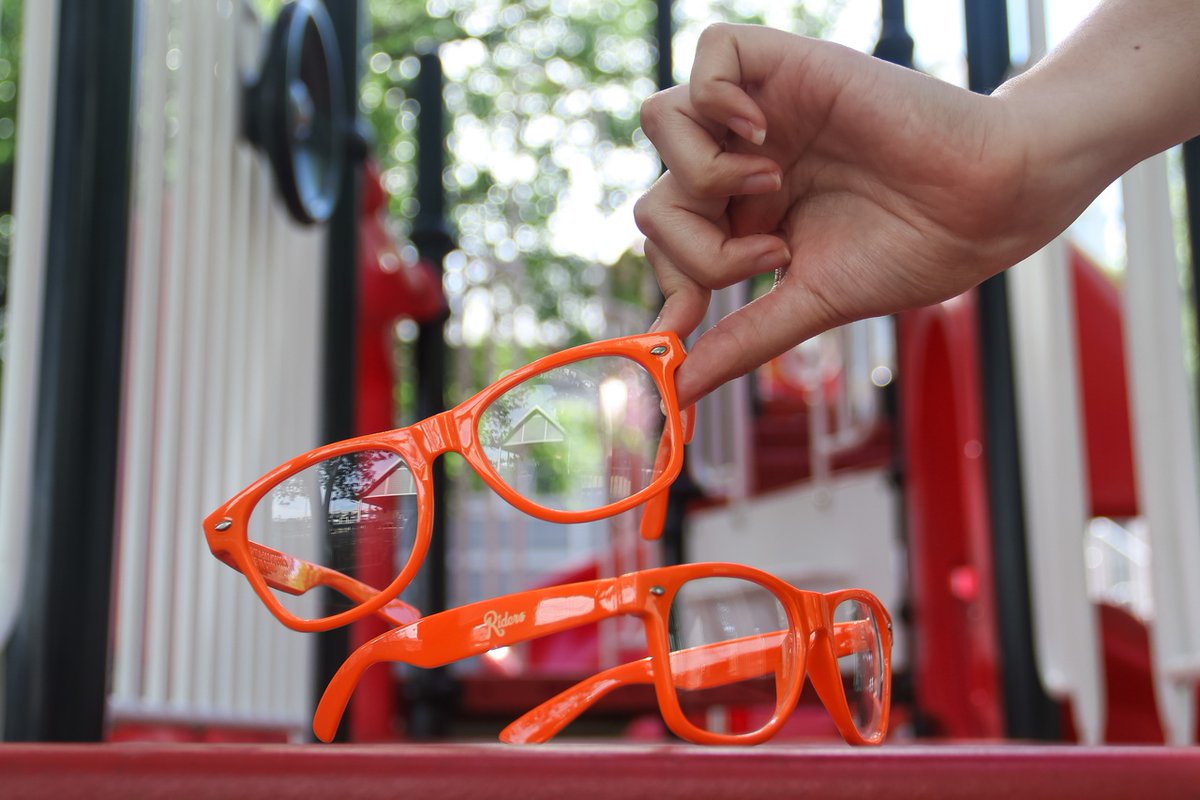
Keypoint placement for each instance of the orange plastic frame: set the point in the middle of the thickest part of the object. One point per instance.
(811, 646)
(455, 430)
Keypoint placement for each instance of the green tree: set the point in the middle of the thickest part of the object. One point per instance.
(10, 59)
(544, 160)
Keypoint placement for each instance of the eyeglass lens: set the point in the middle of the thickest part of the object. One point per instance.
(355, 513)
(577, 437)
(861, 664)
(731, 659)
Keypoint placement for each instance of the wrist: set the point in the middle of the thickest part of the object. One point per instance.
(1117, 91)
(1065, 152)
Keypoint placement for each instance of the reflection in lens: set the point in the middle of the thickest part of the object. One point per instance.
(354, 515)
(857, 644)
(731, 659)
(577, 437)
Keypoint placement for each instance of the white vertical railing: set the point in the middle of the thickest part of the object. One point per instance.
(1164, 436)
(1054, 484)
(141, 350)
(222, 380)
(26, 274)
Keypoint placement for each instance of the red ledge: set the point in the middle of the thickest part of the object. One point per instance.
(575, 771)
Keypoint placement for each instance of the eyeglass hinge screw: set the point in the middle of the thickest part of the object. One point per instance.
(658, 350)
(224, 524)
(657, 591)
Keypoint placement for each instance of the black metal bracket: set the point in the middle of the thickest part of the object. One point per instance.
(295, 111)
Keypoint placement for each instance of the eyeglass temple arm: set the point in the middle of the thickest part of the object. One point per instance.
(297, 576)
(654, 511)
(471, 630)
(702, 667)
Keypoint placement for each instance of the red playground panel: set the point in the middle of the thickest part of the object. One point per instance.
(577, 771)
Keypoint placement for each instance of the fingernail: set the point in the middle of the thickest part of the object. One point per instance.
(773, 259)
(654, 325)
(747, 130)
(761, 183)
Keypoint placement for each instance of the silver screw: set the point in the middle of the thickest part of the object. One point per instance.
(224, 524)
(658, 350)
(657, 591)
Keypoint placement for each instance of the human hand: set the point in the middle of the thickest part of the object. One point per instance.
(868, 188)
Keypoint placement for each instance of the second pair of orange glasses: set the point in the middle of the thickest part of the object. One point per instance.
(574, 437)
(719, 636)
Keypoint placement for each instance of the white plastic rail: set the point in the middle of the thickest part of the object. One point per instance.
(26, 275)
(1054, 483)
(1165, 450)
(221, 383)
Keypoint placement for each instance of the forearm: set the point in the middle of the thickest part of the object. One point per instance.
(1121, 88)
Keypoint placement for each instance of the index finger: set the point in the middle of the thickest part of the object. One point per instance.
(729, 58)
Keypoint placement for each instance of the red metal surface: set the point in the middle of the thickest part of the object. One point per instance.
(148, 732)
(1104, 390)
(781, 447)
(496, 772)
(1132, 716)
(954, 642)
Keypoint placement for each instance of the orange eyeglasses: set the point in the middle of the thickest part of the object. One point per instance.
(717, 634)
(574, 437)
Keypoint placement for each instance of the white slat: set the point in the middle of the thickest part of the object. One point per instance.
(27, 267)
(172, 325)
(141, 357)
(1164, 442)
(209, 637)
(1054, 482)
(222, 381)
(198, 278)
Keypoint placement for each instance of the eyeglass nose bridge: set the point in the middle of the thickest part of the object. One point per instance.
(437, 435)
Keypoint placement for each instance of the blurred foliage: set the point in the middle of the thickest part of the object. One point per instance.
(544, 159)
(10, 59)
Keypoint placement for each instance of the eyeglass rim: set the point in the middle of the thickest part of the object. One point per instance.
(235, 540)
(462, 419)
(883, 629)
(807, 611)
(470, 413)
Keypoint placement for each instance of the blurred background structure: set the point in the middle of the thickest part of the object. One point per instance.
(204, 272)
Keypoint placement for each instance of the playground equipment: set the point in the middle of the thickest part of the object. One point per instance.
(889, 437)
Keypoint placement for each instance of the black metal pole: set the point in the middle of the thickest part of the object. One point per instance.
(664, 31)
(432, 695)
(339, 367)
(57, 661)
(432, 237)
(895, 44)
(1029, 712)
(674, 545)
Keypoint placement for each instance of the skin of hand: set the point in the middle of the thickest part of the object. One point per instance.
(866, 187)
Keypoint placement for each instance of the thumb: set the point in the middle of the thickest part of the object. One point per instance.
(751, 336)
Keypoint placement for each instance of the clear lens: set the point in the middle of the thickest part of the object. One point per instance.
(731, 653)
(352, 516)
(577, 437)
(860, 660)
